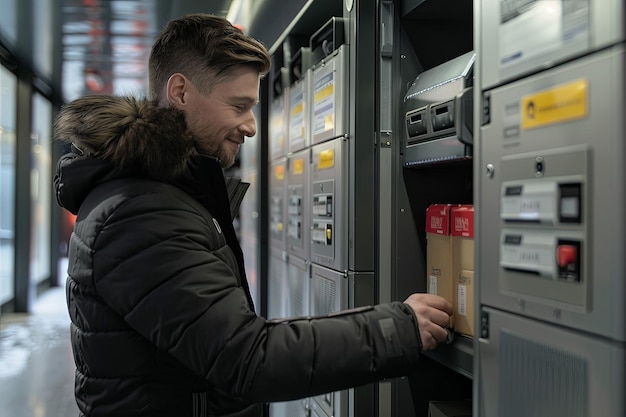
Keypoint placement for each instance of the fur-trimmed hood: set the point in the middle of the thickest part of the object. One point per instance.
(113, 137)
(132, 134)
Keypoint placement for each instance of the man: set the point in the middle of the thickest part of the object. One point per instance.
(162, 319)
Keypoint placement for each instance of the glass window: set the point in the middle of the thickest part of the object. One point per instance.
(8, 86)
(8, 20)
(41, 189)
(43, 37)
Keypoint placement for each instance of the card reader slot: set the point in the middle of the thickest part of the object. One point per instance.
(416, 123)
(521, 270)
(442, 116)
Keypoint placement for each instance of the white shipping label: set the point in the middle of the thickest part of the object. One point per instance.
(462, 299)
(432, 285)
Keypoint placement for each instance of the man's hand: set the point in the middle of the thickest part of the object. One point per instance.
(433, 316)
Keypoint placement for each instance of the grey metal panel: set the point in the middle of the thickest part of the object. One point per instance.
(387, 143)
(299, 203)
(277, 285)
(362, 26)
(589, 149)
(520, 37)
(330, 292)
(329, 197)
(298, 288)
(329, 98)
(530, 368)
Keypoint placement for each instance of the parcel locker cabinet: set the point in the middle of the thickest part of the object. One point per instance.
(298, 204)
(329, 204)
(552, 202)
(531, 368)
(329, 112)
(520, 37)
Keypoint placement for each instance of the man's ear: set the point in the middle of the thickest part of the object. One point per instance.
(177, 86)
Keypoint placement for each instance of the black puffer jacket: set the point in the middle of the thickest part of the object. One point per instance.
(162, 318)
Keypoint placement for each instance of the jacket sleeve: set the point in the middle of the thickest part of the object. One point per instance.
(310, 356)
(170, 275)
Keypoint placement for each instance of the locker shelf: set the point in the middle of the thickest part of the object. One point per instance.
(458, 356)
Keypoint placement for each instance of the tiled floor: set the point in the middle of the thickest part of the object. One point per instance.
(36, 365)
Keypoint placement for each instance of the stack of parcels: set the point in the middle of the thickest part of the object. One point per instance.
(450, 260)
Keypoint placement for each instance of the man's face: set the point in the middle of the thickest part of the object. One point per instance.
(223, 118)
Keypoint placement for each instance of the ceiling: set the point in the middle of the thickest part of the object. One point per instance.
(106, 43)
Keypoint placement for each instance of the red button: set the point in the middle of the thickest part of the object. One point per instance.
(566, 254)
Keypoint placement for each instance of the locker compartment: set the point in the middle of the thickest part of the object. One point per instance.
(278, 203)
(520, 37)
(298, 205)
(533, 368)
(552, 200)
(299, 113)
(328, 202)
(329, 109)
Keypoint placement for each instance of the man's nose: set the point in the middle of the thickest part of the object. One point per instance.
(248, 127)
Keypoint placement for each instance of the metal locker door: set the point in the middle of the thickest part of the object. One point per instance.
(530, 368)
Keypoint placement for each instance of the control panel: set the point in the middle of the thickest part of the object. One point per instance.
(329, 245)
(544, 225)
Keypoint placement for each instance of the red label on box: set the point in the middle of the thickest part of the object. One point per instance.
(462, 220)
(438, 219)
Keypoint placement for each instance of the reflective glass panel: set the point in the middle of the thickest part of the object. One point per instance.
(8, 86)
(8, 20)
(43, 36)
(41, 189)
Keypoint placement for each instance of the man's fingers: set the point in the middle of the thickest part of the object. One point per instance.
(432, 336)
(439, 317)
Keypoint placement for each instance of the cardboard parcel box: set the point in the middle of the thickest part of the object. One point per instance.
(462, 236)
(440, 278)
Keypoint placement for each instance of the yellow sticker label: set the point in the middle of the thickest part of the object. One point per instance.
(558, 104)
(297, 109)
(324, 93)
(279, 172)
(326, 159)
(298, 166)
